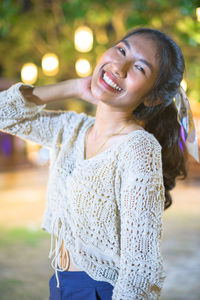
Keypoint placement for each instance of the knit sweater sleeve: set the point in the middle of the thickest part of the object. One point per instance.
(141, 272)
(30, 121)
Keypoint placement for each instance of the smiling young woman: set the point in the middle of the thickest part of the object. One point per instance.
(132, 66)
(110, 175)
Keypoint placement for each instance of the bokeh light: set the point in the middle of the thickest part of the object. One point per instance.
(83, 67)
(184, 84)
(29, 73)
(50, 64)
(83, 39)
(198, 13)
(32, 150)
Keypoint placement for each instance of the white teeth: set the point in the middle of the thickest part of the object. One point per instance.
(111, 83)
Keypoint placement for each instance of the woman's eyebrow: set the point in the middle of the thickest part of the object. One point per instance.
(126, 44)
(140, 59)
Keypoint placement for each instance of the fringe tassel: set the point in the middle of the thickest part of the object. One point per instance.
(55, 251)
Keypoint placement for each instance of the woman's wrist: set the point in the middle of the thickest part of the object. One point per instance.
(70, 88)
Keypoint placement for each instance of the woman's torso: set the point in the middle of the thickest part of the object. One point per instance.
(91, 148)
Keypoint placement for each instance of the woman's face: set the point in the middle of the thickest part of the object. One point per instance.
(126, 72)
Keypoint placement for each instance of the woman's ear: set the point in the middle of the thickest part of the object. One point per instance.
(148, 103)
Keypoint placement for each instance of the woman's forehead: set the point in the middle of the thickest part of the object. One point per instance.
(141, 41)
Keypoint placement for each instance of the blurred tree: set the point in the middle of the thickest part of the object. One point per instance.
(31, 28)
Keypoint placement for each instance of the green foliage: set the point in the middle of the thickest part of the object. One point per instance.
(29, 29)
(8, 16)
(21, 236)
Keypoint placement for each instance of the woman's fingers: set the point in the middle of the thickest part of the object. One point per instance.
(85, 90)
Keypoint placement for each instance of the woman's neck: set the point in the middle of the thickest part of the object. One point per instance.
(109, 120)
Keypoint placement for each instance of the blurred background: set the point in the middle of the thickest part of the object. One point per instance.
(46, 41)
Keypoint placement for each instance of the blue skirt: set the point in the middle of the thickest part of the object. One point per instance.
(78, 285)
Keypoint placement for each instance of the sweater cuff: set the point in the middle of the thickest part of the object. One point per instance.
(138, 289)
(136, 294)
(14, 90)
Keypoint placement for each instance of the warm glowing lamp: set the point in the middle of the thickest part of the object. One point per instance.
(50, 64)
(198, 13)
(83, 39)
(29, 73)
(83, 67)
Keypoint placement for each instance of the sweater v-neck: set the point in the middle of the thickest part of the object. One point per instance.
(111, 148)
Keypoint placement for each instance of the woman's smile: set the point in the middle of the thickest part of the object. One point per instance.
(109, 82)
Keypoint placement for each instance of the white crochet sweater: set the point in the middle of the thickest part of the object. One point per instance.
(107, 209)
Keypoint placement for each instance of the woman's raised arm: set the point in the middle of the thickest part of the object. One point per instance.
(72, 88)
(22, 110)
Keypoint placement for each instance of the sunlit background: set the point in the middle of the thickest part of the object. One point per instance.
(44, 42)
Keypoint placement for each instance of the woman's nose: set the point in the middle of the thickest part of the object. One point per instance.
(120, 69)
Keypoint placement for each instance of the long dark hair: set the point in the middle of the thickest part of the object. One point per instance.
(161, 120)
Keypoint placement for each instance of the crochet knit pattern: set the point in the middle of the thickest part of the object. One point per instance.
(107, 209)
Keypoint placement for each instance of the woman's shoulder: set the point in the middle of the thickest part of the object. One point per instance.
(141, 150)
(142, 139)
(86, 116)
(76, 117)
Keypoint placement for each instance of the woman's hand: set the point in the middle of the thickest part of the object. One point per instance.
(84, 90)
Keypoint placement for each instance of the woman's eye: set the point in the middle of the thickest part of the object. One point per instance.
(122, 51)
(140, 69)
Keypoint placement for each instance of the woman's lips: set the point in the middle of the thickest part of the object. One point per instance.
(106, 85)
